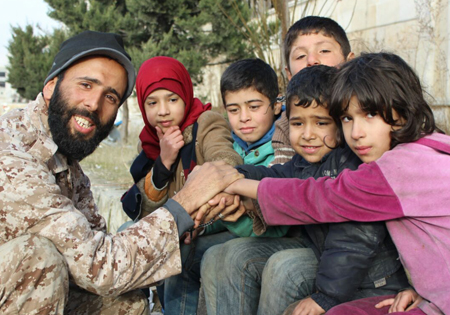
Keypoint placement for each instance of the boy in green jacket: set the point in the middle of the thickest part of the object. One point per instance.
(249, 91)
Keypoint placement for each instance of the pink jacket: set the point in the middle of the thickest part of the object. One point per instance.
(409, 187)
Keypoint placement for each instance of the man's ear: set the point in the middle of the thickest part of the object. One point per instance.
(48, 90)
(350, 56)
(288, 73)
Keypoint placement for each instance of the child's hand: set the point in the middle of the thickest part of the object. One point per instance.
(170, 142)
(235, 215)
(308, 306)
(226, 205)
(227, 212)
(188, 237)
(248, 204)
(404, 301)
(230, 189)
(243, 187)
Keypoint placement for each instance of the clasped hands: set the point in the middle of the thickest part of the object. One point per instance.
(223, 206)
(204, 194)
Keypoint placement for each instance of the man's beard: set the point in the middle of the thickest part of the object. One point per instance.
(73, 145)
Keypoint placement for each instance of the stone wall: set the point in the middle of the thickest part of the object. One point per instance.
(442, 116)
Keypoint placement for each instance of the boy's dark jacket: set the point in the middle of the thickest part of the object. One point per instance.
(352, 255)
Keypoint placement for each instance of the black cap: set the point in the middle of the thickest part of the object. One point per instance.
(90, 43)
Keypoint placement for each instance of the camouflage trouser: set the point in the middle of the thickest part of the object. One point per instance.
(34, 280)
(84, 303)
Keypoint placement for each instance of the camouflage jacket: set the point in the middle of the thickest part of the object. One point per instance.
(44, 193)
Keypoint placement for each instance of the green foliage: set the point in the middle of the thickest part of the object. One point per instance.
(222, 20)
(193, 59)
(180, 29)
(30, 59)
(192, 31)
(96, 15)
(157, 25)
(155, 18)
(161, 27)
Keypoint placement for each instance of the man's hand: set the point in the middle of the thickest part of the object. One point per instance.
(404, 301)
(223, 206)
(308, 306)
(204, 182)
(170, 142)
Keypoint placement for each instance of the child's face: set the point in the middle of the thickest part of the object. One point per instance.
(312, 131)
(314, 49)
(369, 136)
(164, 109)
(250, 113)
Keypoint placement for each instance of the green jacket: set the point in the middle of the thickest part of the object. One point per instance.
(243, 227)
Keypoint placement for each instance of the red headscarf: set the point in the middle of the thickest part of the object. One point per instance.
(170, 74)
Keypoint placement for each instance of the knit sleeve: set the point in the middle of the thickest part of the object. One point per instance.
(214, 140)
(281, 144)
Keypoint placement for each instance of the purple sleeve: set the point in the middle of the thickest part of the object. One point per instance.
(361, 195)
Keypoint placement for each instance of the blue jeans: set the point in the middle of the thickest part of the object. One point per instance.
(257, 275)
(180, 293)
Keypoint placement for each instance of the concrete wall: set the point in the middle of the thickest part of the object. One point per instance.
(416, 30)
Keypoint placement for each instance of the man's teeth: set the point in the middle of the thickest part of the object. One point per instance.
(83, 122)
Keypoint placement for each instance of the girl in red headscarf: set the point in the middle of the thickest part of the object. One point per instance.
(179, 133)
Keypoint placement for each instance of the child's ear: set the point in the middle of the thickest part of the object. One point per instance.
(350, 56)
(288, 73)
(277, 105)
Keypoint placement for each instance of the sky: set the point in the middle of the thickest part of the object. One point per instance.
(21, 13)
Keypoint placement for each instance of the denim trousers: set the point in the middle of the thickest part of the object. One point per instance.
(257, 275)
(264, 276)
(180, 293)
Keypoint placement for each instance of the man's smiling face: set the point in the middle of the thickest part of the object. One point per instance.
(84, 104)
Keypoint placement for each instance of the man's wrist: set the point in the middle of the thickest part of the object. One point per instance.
(182, 219)
(186, 203)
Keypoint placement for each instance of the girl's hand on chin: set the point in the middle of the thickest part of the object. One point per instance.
(170, 142)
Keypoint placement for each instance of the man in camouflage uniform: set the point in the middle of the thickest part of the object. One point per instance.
(56, 256)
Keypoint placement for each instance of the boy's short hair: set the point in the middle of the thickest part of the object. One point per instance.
(250, 73)
(314, 25)
(311, 84)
